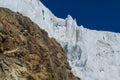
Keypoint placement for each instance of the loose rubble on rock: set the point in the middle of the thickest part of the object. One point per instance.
(27, 53)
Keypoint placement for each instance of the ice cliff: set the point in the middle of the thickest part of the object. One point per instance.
(93, 55)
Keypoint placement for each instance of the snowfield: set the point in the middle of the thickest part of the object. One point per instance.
(93, 55)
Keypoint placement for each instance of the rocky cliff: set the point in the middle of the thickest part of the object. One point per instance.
(27, 53)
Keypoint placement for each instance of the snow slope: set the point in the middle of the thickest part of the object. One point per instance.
(93, 55)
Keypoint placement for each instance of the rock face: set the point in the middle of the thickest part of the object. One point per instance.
(92, 55)
(27, 53)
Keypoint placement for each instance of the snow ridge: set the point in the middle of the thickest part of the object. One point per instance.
(93, 55)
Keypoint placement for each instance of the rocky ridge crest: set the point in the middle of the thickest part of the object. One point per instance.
(27, 53)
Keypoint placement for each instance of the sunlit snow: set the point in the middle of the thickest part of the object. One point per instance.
(93, 55)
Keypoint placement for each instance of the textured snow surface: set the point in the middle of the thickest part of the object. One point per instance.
(93, 55)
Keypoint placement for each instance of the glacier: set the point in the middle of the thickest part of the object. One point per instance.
(92, 54)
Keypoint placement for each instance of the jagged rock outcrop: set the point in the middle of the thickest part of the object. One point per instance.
(27, 53)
